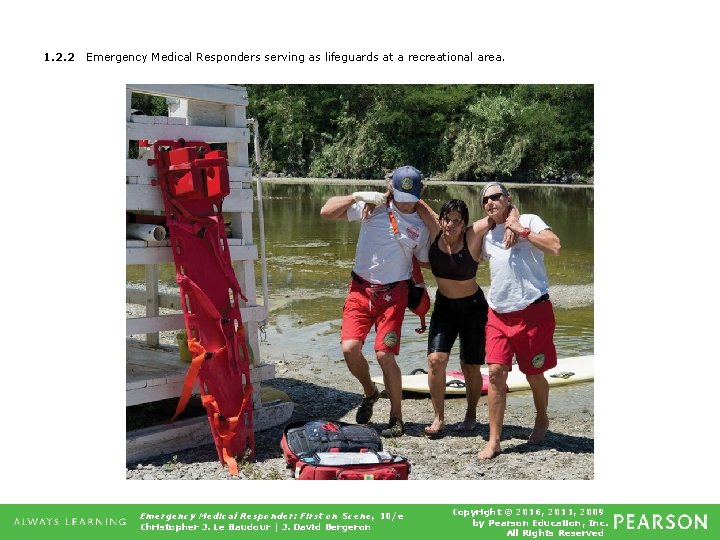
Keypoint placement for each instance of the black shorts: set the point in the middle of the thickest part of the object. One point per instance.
(465, 317)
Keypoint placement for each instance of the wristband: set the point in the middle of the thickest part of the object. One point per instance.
(525, 232)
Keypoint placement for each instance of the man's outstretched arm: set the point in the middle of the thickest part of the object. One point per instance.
(336, 207)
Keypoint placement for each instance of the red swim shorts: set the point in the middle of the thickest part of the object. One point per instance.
(380, 306)
(527, 334)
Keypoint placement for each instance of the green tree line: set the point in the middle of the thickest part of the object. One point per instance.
(523, 133)
(518, 133)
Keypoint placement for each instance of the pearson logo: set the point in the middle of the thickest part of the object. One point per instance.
(660, 521)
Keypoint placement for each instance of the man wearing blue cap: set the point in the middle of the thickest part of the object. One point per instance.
(390, 234)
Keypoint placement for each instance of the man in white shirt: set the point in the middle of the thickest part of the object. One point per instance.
(390, 234)
(521, 321)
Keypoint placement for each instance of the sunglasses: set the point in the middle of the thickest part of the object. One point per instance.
(494, 197)
(455, 222)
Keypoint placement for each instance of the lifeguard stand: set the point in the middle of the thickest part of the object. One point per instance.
(215, 114)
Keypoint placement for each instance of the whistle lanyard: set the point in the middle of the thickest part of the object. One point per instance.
(393, 222)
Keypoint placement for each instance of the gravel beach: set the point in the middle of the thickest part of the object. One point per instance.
(567, 452)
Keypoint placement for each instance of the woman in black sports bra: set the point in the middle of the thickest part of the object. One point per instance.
(460, 307)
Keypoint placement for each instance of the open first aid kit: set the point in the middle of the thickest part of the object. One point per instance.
(332, 450)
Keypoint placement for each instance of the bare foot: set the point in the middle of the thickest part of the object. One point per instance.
(466, 425)
(490, 451)
(538, 433)
(435, 428)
